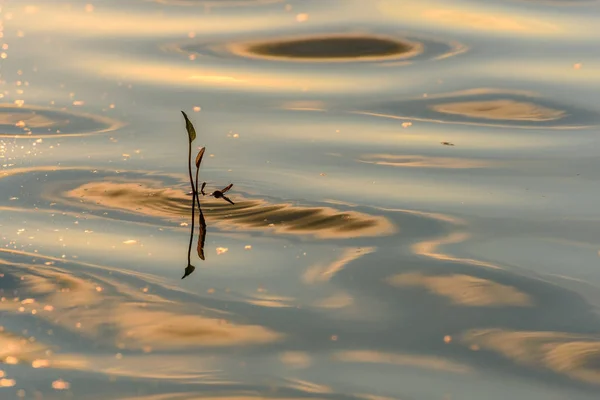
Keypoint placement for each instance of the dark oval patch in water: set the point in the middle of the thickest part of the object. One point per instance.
(37, 122)
(333, 48)
(488, 107)
(327, 47)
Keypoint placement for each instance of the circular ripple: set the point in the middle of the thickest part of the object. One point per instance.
(41, 122)
(326, 47)
(489, 107)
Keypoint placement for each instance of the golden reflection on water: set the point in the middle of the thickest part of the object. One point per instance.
(295, 359)
(307, 387)
(565, 3)
(481, 91)
(505, 108)
(320, 273)
(368, 396)
(305, 390)
(336, 301)
(465, 290)
(272, 301)
(33, 120)
(304, 105)
(174, 368)
(204, 396)
(16, 349)
(138, 319)
(103, 22)
(34, 353)
(418, 161)
(429, 248)
(63, 122)
(569, 354)
(165, 73)
(547, 71)
(442, 121)
(484, 18)
(148, 278)
(411, 360)
(141, 199)
(215, 4)
(501, 109)
(456, 221)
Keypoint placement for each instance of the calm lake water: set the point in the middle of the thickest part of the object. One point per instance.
(416, 189)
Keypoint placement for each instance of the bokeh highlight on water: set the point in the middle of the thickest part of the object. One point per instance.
(415, 187)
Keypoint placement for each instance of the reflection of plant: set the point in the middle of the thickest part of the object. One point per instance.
(196, 197)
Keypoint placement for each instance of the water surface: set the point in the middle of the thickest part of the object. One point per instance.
(415, 188)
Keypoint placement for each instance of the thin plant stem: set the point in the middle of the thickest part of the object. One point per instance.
(195, 195)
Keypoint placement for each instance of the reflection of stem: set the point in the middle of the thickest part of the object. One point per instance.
(196, 188)
(201, 221)
(195, 194)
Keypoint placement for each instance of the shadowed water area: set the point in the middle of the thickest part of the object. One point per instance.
(331, 48)
(413, 213)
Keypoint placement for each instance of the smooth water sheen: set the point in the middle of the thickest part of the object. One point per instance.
(416, 188)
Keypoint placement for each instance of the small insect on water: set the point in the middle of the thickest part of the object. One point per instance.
(220, 194)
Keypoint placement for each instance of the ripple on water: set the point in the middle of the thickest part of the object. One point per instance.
(102, 304)
(574, 355)
(162, 199)
(217, 3)
(139, 328)
(558, 2)
(40, 122)
(465, 290)
(327, 47)
(88, 299)
(488, 107)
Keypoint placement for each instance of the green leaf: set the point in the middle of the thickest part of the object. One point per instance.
(190, 128)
